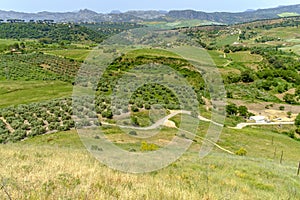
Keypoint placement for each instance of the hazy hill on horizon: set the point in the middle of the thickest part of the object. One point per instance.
(86, 15)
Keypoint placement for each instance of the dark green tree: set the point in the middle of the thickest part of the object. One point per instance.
(247, 76)
(243, 111)
(231, 109)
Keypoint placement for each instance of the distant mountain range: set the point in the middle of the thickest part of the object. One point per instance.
(231, 18)
(138, 16)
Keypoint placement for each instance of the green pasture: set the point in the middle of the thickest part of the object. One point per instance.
(23, 92)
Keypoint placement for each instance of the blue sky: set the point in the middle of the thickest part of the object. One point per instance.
(123, 5)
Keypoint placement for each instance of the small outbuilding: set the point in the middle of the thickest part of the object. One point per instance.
(259, 119)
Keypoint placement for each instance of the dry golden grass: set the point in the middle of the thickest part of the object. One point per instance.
(58, 167)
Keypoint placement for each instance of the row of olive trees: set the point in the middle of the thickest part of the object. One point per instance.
(35, 119)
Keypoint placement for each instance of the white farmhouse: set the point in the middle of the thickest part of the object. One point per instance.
(259, 119)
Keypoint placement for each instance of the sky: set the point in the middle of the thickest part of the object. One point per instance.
(125, 5)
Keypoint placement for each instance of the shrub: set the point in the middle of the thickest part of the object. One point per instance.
(281, 108)
(247, 76)
(241, 152)
(297, 120)
(226, 50)
(267, 107)
(229, 95)
(135, 121)
(282, 88)
(289, 98)
(132, 133)
(86, 122)
(291, 134)
(96, 148)
(107, 114)
(148, 147)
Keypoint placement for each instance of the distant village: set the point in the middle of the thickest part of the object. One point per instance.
(45, 21)
(50, 21)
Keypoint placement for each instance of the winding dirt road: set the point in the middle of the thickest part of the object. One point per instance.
(201, 118)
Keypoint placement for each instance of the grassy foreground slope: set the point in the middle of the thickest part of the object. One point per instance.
(57, 166)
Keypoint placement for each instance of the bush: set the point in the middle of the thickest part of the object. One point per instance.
(281, 108)
(148, 147)
(291, 134)
(135, 121)
(267, 107)
(241, 152)
(297, 120)
(85, 122)
(247, 76)
(107, 114)
(282, 88)
(132, 133)
(289, 98)
(229, 95)
(226, 50)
